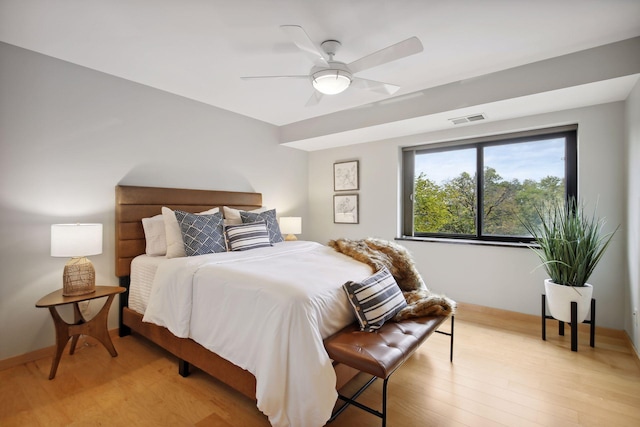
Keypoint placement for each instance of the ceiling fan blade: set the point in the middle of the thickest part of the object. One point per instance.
(275, 77)
(301, 39)
(380, 87)
(399, 50)
(314, 99)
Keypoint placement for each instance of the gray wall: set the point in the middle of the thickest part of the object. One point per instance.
(69, 135)
(632, 296)
(500, 277)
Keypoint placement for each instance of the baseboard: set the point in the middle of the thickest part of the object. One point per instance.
(465, 311)
(26, 358)
(634, 350)
(475, 313)
(39, 354)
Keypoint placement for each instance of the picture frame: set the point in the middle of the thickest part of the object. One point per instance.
(345, 209)
(346, 176)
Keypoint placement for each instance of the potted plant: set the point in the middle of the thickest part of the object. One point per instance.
(570, 243)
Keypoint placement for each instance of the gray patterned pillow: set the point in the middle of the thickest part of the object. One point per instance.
(269, 217)
(201, 234)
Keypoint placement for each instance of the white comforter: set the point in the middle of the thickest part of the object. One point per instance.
(266, 310)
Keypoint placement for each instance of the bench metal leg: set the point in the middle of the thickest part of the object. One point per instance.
(384, 402)
(352, 401)
(450, 334)
(453, 318)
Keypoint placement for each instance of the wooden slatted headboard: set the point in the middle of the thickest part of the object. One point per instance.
(134, 203)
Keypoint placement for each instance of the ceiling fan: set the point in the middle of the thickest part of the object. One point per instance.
(330, 77)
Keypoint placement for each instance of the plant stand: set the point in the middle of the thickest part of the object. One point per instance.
(574, 321)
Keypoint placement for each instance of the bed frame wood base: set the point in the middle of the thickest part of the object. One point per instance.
(190, 352)
(134, 203)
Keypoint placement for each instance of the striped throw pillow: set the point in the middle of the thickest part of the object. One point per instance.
(269, 217)
(250, 235)
(375, 300)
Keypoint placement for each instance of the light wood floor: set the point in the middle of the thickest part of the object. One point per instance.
(502, 374)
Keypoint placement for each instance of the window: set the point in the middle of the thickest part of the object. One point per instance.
(481, 189)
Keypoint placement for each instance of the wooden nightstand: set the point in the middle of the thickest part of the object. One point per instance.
(95, 327)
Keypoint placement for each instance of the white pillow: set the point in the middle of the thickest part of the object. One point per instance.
(232, 216)
(175, 245)
(155, 235)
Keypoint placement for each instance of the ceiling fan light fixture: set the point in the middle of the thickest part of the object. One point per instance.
(331, 81)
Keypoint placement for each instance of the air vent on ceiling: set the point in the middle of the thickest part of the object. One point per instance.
(468, 119)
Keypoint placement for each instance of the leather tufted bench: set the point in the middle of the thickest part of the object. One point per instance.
(380, 353)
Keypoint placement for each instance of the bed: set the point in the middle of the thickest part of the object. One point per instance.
(135, 203)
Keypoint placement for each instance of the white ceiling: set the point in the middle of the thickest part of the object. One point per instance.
(199, 49)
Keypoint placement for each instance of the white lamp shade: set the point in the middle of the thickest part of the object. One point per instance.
(76, 240)
(331, 82)
(290, 225)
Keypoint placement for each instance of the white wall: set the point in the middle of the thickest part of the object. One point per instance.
(492, 276)
(632, 296)
(69, 135)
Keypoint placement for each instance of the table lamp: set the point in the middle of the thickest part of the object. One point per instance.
(77, 241)
(290, 225)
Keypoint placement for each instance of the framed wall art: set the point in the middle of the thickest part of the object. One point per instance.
(345, 209)
(345, 176)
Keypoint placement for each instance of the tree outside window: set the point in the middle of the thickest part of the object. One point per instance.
(503, 180)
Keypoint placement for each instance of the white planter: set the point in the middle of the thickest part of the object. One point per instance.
(559, 299)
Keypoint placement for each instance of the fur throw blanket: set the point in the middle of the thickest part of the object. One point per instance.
(378, 253)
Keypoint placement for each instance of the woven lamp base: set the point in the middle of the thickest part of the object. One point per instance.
(79, 277)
